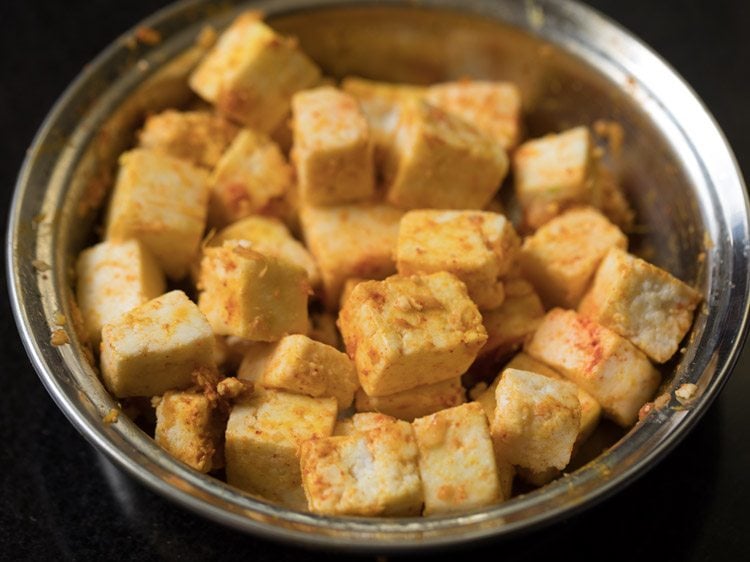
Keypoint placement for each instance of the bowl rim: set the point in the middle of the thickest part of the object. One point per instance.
(692, 127)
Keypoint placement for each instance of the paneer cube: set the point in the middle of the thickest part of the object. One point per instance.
(333, 152)
(616, 373)
(250, 295)
(191, 429)
(442, 162)
(553, 172)
(591, 411)
(560, 259)
(415, 402)
(406, 332)
(373, 472)
(156, 347)
(642, 303)
(590, 408)
(476, 246)
(351, 241)
(365, 421)
(263, 439)
(252, 72)
(305, 366)
(200, 137)
(381, 103)
(508, 325)
(456, 460)
(536, 420)
(494, 108)
(270, 237)
(251, 177)
(113, 278)
(161, 201)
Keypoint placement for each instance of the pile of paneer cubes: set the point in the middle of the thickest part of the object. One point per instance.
(327, 374)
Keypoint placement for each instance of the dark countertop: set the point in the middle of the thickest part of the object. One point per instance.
(62, 500)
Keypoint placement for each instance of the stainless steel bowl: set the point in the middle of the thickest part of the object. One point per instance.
(573, 65)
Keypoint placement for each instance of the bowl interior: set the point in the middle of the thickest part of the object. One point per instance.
(565, 82)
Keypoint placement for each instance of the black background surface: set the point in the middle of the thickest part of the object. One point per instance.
(61, 500)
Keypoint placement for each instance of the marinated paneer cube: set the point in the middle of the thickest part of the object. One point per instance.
(351, 241)
(156, 347)
(200, 137)
(616, 373)
(381, 103)
(252, 72)
(456, 460)
(641, 302)
(250, 178)
(590, 408)
(553, 172)
(270, 237)
(508, 325)
(591, 411)
(536, 421)
(191, 429)
(302, 365)
(411, 331)
(333, 151)
(374, 472)
(476, 246)
(442, 162)
(415, 402)
(263, 439)
(161, 201)
(560, 258)
(250, 295)
(365, 421)
(494, 108)
(112, 278)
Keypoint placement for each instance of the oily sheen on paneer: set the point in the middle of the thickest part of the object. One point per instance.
(405, 332)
